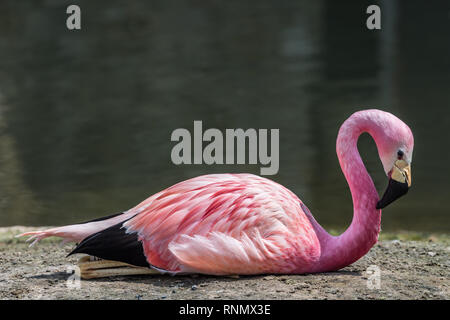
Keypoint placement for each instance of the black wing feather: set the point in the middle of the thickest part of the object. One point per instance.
(114, 244)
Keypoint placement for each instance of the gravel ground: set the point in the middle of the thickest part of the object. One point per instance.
(409, 269)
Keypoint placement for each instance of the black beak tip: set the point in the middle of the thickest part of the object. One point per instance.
(394, 191)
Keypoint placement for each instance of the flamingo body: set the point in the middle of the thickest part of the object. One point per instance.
(245, 224)
(226, 223)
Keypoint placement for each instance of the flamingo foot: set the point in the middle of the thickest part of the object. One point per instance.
(92, 268)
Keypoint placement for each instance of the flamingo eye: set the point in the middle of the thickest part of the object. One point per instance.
(400, 154)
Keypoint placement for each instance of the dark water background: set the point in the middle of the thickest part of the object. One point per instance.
(86, 116)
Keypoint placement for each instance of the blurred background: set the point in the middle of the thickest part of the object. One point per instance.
(86, 116)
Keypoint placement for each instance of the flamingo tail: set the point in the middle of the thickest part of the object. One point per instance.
(76, 232)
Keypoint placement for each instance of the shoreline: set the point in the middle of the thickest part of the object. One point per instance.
(411, 266)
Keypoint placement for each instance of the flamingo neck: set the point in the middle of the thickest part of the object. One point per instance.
(340, 251)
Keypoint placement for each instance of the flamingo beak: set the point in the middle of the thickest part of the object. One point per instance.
(399, 183)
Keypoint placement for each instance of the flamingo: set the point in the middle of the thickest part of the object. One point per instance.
(243, 224)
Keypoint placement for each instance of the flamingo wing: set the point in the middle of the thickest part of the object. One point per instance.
(225, 224)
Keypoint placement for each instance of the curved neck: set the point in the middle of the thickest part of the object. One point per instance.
(356, 241)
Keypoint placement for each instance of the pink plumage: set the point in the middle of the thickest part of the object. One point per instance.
(226, 223)
(245, 224)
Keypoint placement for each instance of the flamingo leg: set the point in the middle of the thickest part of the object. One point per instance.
(92, 268)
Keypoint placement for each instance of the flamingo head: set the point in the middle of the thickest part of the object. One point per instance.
(395, 151)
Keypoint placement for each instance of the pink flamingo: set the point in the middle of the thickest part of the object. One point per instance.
(232, 224)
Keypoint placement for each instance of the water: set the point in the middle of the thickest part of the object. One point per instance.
(86, 117)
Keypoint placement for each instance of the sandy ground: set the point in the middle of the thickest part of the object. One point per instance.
(409, 269)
